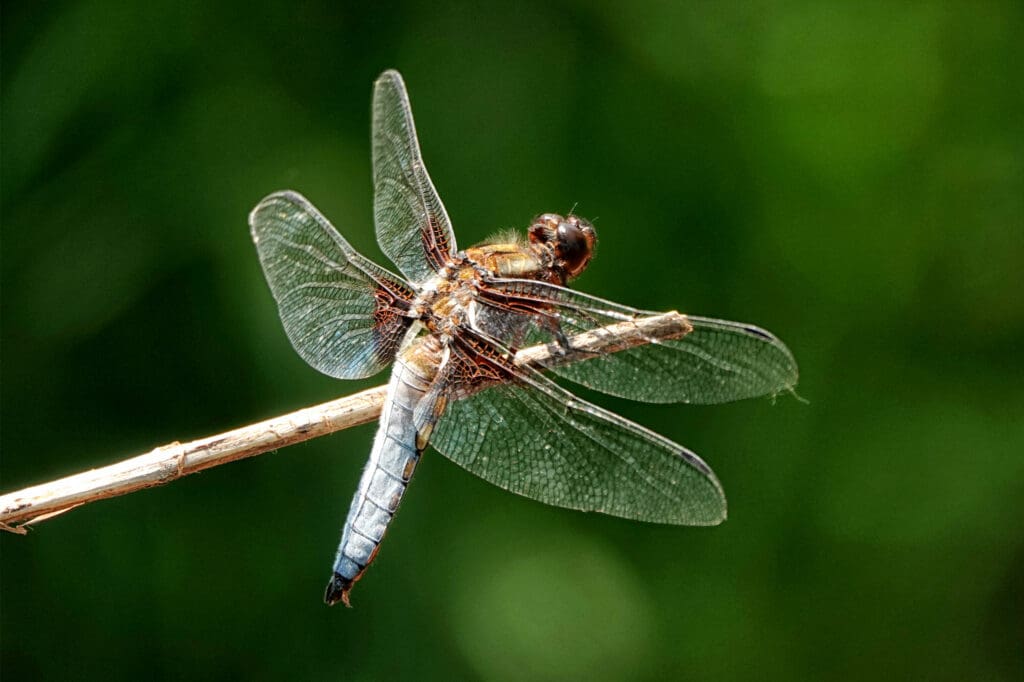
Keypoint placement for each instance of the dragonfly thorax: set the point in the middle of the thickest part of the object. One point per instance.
(444, 301)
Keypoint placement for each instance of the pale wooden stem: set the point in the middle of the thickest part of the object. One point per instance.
(170, 462)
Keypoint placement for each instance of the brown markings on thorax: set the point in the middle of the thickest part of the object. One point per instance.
(444, 312)
(509, 260)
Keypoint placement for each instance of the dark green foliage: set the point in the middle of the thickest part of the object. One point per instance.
(846, 175)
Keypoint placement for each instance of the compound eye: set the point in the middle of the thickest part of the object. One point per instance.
(571, 241)
(575, 245)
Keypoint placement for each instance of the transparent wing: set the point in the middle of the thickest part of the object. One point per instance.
(412, 226)
(717, 362)
(536, 439)
(343, 314)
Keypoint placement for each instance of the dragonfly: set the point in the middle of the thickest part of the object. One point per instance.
(450, 325)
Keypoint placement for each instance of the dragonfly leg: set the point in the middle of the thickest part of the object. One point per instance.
(561, 345)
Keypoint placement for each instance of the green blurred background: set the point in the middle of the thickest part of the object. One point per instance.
(848, 175)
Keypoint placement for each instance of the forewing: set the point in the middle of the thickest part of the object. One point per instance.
(412, 225)
(534, 438)
(718, 361)
(343, 314)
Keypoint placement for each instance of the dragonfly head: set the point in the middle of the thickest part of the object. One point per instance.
(570, 241)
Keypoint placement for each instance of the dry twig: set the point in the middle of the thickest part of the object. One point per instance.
(170, 462)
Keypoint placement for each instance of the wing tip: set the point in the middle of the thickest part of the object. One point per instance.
(289, 195)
